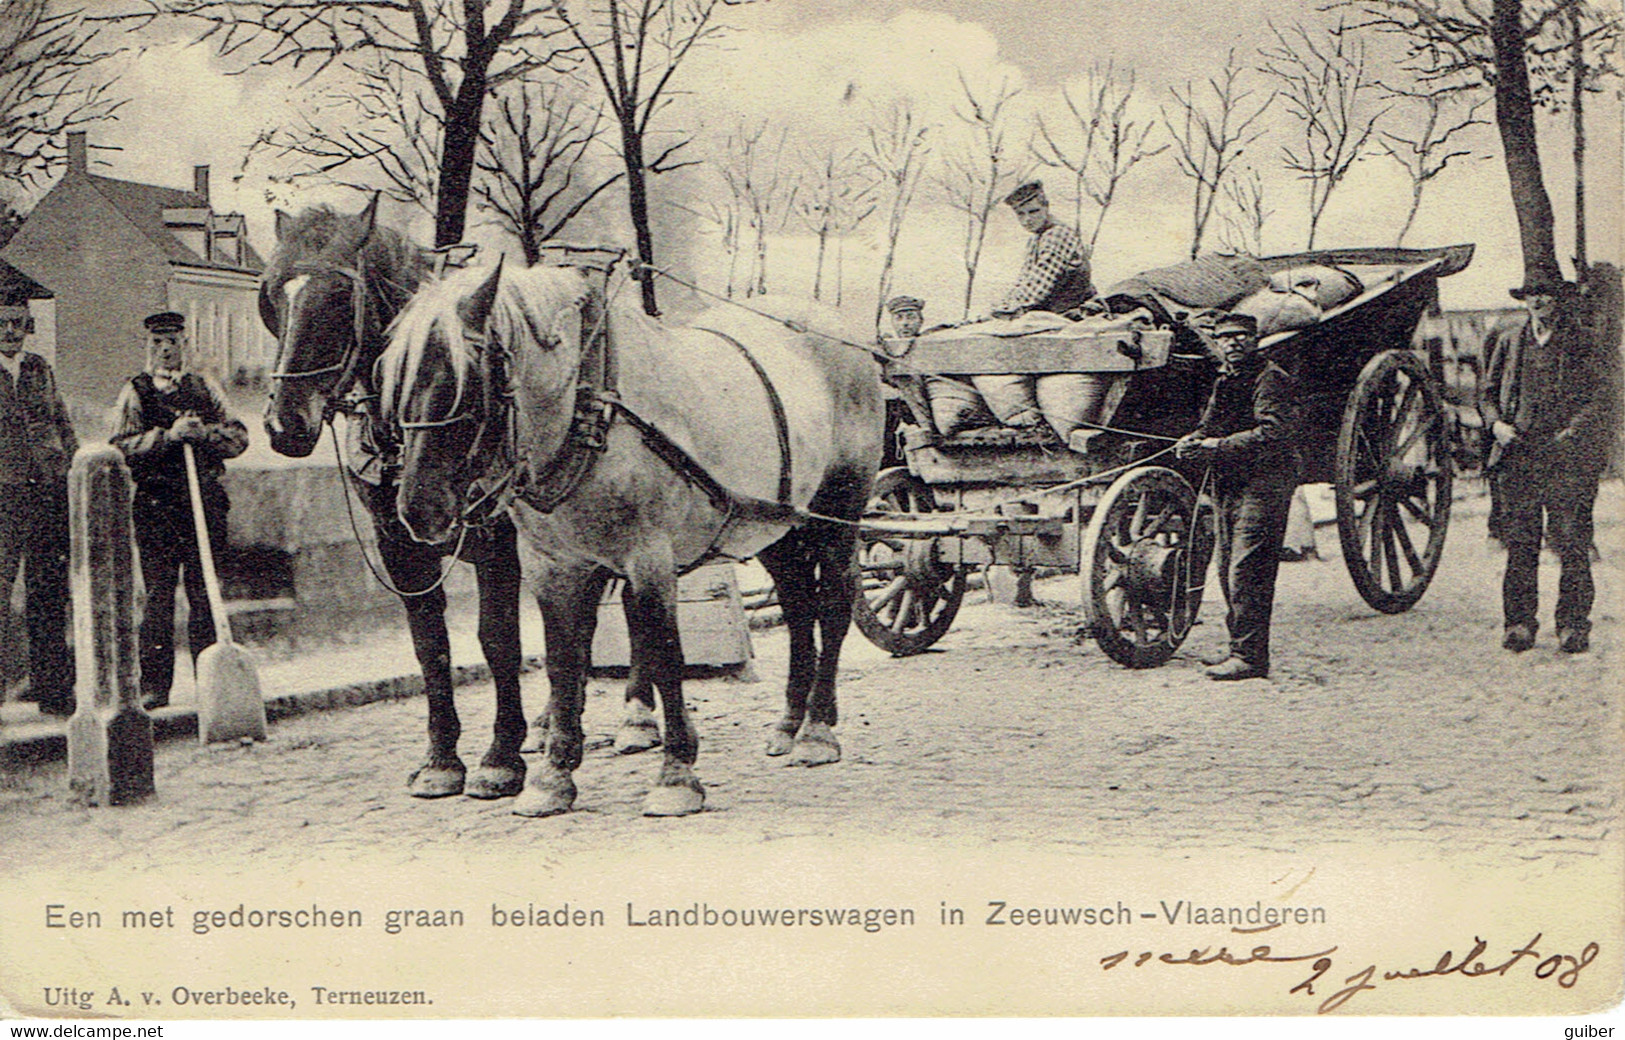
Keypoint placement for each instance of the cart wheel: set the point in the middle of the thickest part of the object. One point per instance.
(907, 597)
(1144, 559)
(1393, 481)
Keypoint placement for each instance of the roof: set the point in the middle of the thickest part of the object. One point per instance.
(12, 280)
(144, 205)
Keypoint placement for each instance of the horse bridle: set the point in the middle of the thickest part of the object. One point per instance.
(350, 362)
(488, 500)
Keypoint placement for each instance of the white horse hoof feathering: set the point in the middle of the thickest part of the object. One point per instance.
(816, 746)
(639, 731)
(780, 741)
(675, 799)
(436, 781)
(550, 799)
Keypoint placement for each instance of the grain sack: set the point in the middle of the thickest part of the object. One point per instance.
(1327, 286)
(1010, 398)
(1072, 400)
(1211, 280)
(956, 406)
(1279, 311)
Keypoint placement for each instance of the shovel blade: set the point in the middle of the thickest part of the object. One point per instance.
(229, 703)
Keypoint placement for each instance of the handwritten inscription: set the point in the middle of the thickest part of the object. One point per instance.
(1563, 968)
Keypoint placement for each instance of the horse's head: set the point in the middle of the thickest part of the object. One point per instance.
(462, 353)
(317, 296)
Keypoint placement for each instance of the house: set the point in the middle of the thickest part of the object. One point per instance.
(114, 251)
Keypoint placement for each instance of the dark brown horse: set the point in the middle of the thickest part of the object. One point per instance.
(329, 294)
(636, 449)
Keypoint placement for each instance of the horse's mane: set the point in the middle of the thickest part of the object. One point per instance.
(530, 303)
(393, 263)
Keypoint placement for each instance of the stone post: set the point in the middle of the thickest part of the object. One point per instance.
(109, 736)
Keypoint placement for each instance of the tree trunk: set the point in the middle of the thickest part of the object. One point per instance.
(818, 269)
(1578, 72)
(637, 201)
(462, 139)
(761, 255)
(840, 269)
(1515, 118)
(1410, 218)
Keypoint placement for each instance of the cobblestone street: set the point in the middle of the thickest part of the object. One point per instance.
(1413, 728)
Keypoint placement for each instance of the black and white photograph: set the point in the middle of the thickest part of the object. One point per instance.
(812, 509)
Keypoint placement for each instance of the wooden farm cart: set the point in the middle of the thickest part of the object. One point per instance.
(1134, 523)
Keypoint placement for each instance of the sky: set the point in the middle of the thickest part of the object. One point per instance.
(818, 67)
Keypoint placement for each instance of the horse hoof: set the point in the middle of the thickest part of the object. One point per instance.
(677, 800)
(633, 737)
(779, 742)
(545, 801)
(816, 746)
(436, 781)
(495, 782)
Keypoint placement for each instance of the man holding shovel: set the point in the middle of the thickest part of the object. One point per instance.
(161, 410)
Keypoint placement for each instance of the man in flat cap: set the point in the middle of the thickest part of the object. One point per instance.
(907, 316)
(161, 409)
(1246, 437)
(37, 443)
(1545, 399)
(1055, 274)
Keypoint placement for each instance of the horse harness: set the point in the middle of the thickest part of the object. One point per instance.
(598, 406)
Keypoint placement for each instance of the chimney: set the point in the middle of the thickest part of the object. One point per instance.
(78, 152)
(200, 181)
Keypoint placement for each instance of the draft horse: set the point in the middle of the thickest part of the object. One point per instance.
(629, 448)
(332, 289)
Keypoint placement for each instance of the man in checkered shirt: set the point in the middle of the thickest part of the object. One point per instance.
(1055, 275)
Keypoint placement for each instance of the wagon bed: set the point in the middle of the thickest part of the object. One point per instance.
(1372, 423)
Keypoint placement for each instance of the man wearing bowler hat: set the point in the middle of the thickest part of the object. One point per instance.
(1246, 438)
(161, 409)
(1545, 400)
(37, 444)
(1055, 274)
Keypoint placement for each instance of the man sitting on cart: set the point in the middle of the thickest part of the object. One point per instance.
(1246, 439)
(1055, 275)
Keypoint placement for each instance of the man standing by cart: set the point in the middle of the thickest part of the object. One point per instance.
(1246, 439)
(1055, 275)
(1545, 401)
(160, 410)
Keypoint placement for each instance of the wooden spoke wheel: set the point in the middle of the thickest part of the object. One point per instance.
(1393, 481)
(907, 597)
(1144, 559)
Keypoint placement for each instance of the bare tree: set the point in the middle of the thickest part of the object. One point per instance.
(449, 55)
(1425, 152)
(1580, 63)
(1209, 135)
(833, 200)
(536, 178)
(1111, 142)
(1324, 86)
(894, 152)
(378, 128)
(977, 176)
(762, 191)
(1515, 49)
(636, 48)
(51, 60)
(1245, 213)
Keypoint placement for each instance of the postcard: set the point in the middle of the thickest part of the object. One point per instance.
(799, 509)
